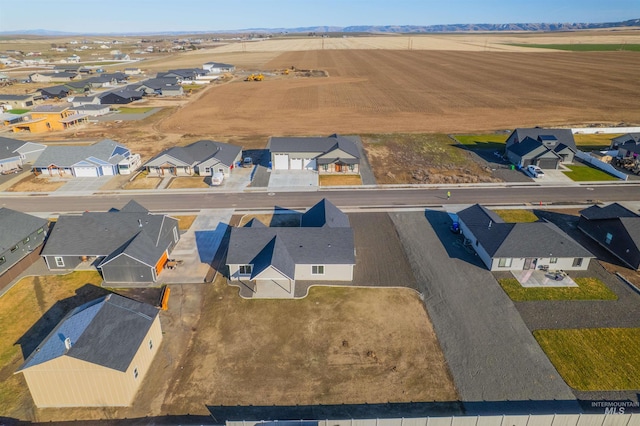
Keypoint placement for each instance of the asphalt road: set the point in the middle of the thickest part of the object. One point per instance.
(167, 201)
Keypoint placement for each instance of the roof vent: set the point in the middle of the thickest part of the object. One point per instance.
(67, 343)
(490, 223)
(140, 223)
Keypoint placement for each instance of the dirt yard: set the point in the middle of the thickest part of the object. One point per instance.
(33, 183)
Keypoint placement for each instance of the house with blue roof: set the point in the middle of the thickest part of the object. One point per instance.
(97, 355)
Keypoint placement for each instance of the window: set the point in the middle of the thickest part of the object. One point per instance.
(26, 240)
(351, 167)
(317, 270)
(59, 261)
(608, 238)
(207, 170)
(150, 344)
(14, 248)
(175, 234)
(325, 167)
(505, 262)
(577, 261)
(245, 270)
(135, 373)
(2, 260)
(553, 260)
(40, 231)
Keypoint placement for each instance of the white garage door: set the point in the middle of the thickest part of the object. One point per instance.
(296, 164)
(281, 162)
(310, 163)
(107, 170)
(86, 171)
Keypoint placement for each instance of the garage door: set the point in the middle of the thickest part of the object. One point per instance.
(85, 171)
(310, 163)
(281, 161)
(548, 163)
(107, 170)
(296, 164)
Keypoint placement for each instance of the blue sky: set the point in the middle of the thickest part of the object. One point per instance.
(211, 15)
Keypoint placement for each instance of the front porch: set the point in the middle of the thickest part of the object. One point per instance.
(541, 278)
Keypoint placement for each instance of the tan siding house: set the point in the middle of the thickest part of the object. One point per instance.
(82, 363)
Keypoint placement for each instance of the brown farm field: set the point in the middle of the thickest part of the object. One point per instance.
(388, 91)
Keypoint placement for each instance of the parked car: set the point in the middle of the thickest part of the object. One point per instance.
(247, 162)
(217, 178)
(534, 171)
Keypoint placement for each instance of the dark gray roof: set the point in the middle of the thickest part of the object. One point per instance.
(16, 226)
(55, 90)
(630, 146)
(66, 156)
(314, 144)
(159, 83)
(325, 213)
(77, 84)
(537, 239)
(61, 74)
(530, 147)
(201, 151)
(126, 94)
(551, 136)
(106, 332)
(90, 107)
(612, 211)
(626, 138)
(112, 233)
(219, 64)
(83, 98)
(275, 255)
(9, 147)
(632, 225)
(4, 97)
(304, 245)
(51, 108)
(255, 223)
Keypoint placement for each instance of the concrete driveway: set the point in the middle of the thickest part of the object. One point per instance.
(293, 180)
(87, 185)
(491, 353)
(197, 247)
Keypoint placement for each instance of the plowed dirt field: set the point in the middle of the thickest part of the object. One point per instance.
(378, 91)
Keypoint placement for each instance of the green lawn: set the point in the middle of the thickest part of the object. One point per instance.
(588, 289)
(595, 142)
(517, 215)
(490, 141)
(580, 173)
(594, 359)
(18, 111)
(130, 110)
(584, 47)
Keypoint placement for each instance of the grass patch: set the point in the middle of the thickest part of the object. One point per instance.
(594, 359)
(193, 87)
(339, 180)
(517, 215)
(595, 142)
(130, 110)
(581, 173)
(18, 111)
(588, 289)
(22, 309)
(585, 47)
(491, 141)
(185, 222)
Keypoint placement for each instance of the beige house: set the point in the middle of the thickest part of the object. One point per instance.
(97, 356)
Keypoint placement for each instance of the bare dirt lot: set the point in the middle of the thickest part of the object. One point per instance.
(378, 91)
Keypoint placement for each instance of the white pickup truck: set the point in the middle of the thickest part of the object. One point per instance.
(534, 171)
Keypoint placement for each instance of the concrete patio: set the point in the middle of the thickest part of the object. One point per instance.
(538, 278)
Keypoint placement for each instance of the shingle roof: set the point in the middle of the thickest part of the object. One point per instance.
(551, 136)
(537, 239)
(9, 147)
(314, 144)
(612, 211)
(4, 97)
(90, 107)
(199, 152)
(219, 65)
(16, 226)
(325, 213)
(626, 138)
(275, 255)
(67, 156)
(107, 332)
(51, 108)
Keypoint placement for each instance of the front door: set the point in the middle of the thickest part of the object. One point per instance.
(530, 263)
(338, 167)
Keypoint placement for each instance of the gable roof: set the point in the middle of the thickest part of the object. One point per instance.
(4, 97)
(125, 94)
(549, 137)
(530, 147)
(106, 332)
(51, 108)
(67, 156)
(314, 144)
(16, 226)
(199, 152)
(274, 255)
(132, 230)
(626, 138)
(325, 213)
(500, 239)
(9, 147)
(612, 211)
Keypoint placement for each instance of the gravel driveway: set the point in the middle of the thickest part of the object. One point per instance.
(490, 351)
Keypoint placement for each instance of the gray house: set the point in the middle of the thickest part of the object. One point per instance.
(270, 260)
(518, 246)
(203, 157)
(99, 159)
(545, 148)
(21, 234)
(333, 154)
(615, 228)
(129, 245)
(15, 154)
(17, 101)
(626, 139)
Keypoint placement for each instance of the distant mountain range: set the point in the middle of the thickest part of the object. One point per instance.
(396, 29)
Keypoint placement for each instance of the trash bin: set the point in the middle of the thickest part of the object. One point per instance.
(513, 167)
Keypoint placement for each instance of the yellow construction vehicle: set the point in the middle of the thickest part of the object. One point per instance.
(254, 77)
